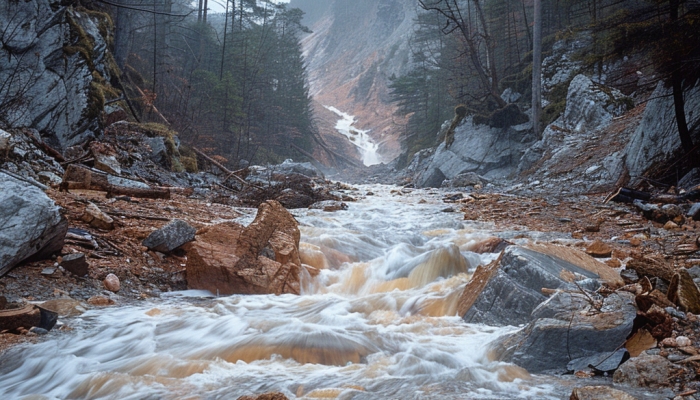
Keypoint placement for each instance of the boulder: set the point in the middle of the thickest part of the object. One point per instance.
(171, 236)
(644, 371)
(507, 291)
(599, 392)
(432, 177)
(32, 225)
(466, 179)
(262, 258)
(571, 326)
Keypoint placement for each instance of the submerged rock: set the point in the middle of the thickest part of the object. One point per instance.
(644, 371)
(262, 258)
(32, 225)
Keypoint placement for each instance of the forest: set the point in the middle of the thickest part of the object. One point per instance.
(470, 52)
(234, 83)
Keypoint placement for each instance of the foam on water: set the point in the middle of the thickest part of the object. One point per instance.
(379, 321)
(360, 138)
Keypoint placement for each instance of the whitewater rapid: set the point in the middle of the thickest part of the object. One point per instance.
(369, 151)
(378, 322)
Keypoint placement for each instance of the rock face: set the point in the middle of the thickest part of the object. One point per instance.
(58, 90)
(507, 291)
(590, 106)
(32, 225)
(491, 152)
(569, 327)
(262, 258)
(168, 238)
(656, 137)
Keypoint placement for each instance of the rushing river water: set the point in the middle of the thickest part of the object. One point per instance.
(369, 151)
(378, 323)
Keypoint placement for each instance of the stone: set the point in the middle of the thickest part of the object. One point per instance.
(629, 276)
(64, 307)
(603, 362)
(644, 371)
(669, 342)
(107, 163)
(290, 167)
(49, 178)
(568, 327)
(670, 226)
(100, 301)
(329, 206)
(4, 143)
(683, 341)
(291, 199)
(171, 236)
(262, 258)
(599, 249)
(433, 177)
(159, 152)
(32, 225)
(683, 292)
(112, 114)
(111, 283)
(507, 291)
(266, 396)
(96, 218)
(466, 179)
(598, 393)
(75, 263)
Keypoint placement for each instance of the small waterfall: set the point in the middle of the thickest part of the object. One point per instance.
(368, 149)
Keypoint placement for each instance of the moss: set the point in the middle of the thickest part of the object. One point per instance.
(81, 42)
(104, 23)
(190, 164)
(552, 112)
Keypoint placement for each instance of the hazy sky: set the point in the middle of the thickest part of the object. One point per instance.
(216, 6)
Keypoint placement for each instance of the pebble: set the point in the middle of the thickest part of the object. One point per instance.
(675, 313)
(683, 341)
(669, 342)
(111, 283)
(676, 357)
(38, 331)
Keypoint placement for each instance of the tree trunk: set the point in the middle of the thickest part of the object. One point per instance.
(537, 68)
(121, 36)
(677, 83)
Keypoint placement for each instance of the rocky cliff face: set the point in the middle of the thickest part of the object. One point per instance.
(54, 69)
(355, 48)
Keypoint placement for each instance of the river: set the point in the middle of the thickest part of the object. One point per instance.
(378, 322)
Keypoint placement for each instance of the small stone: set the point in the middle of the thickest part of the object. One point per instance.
(669, 342)
(111, 283)
(38, 331)
(599, 392)
(683, 341)
(614, 263)
(329, 206)
(670, 226)
(599, 249)
(108, 164)
(76, 264)
(96, 218)
(171, 236)
(635, 242)
(48, 271)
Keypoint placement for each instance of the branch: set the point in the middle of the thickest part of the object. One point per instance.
(145, 10)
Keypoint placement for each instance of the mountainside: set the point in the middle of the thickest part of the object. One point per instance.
(355, 47)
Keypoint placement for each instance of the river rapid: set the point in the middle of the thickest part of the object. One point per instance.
(379, 322)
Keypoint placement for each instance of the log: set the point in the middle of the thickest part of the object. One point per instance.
(229, 173)
(27, 317)
(81, 177)
(44, 147)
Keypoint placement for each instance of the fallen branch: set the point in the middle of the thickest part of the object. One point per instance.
(81, 177)
(225, 170)
(44, 147)
(136, 216)
(23, 179)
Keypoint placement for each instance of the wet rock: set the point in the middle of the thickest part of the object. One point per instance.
(96, 218)
(603, 362)
(265, 396)
(230, 259)
(599, 249)
(467, 179)
(32, 226)
(4, 143)
(329, 206)
(694, 212)
(171, 236)
(15, 320)
(431, 178)
(590, 106)
(100, 301)
(507, 291)
(683, 292)
(75, 263)
(570, 326)
(111, 283)
(291, 199)
(64, 307)
(598, 393)
(644, 371)
(629, 276)
(290, 167)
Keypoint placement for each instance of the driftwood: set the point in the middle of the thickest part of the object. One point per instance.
(626, 195)
(81, 177)
(229, 173)
(17, 319)
(44, 147)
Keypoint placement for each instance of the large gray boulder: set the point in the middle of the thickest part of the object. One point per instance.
(591, 106)
(656, 138)
(507, 291)
(490, 152)
(48, 81)
(171, 236)
(31, 225)
(569, 327)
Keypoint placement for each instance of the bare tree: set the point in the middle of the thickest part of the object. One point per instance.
(470, 22)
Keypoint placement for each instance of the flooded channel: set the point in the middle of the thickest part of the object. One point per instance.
(378, 322)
